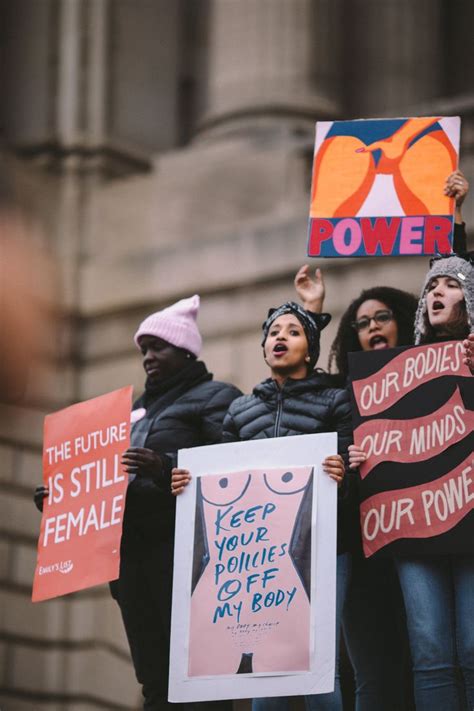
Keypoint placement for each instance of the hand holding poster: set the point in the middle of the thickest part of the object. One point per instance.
(81, 526)
(262, 539)
(377, 187)
(414, 417)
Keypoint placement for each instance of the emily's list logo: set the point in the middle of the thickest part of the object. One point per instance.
(64, 567)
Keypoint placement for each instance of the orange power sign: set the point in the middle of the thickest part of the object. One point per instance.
(81, 527)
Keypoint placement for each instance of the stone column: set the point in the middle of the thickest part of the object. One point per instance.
(97, 72)
(68, 97)
(269, 57)
(394, 54)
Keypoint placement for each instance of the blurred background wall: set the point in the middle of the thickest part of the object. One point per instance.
(163, 148)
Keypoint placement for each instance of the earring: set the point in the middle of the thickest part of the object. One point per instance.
(307, 358)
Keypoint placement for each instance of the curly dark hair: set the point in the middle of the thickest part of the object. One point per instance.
(401, 303)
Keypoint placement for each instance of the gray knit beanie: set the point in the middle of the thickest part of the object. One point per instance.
(455, 267)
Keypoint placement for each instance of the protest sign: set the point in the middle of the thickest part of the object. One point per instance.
(251, 590)
(81, 526)
(414, 417)
(377, 187)
(262, 537)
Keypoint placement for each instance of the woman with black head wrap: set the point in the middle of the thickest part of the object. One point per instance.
(296, 399)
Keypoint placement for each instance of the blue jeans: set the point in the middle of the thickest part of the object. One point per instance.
(319, 702)
(439, 602)
(374, 627)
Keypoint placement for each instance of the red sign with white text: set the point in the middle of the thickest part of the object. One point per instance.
(81, 526)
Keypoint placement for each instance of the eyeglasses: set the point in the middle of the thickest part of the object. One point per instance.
(380, 317)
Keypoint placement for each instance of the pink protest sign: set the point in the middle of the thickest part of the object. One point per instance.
(254, 587)
(377, 187)
(251, 582)
(81, 527)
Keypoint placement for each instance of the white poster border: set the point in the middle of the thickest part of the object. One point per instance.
(302, 450)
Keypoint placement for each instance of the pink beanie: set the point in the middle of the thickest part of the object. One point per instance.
(175, 324)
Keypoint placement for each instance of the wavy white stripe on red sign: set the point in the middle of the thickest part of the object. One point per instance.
(418, 439)
(405, 373)
(421, 511)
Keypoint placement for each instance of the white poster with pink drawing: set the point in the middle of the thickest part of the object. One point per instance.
(254, 580)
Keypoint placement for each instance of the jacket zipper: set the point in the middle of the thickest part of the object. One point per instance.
(278, 413)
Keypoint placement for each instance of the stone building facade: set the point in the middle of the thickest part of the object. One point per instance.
(165, 147)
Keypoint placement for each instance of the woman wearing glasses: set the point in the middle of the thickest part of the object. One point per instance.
(381, 317)
(373, 621)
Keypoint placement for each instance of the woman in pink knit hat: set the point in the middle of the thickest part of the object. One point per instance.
(182, 406)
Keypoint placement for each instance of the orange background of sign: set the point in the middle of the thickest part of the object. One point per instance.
(95, 556)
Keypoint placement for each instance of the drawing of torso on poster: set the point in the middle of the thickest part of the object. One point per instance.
(252, 572)
(377, 187)
(257, 623)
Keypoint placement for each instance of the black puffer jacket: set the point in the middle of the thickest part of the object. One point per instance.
(187, 411)
(306, 406)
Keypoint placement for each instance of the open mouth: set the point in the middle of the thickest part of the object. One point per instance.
(377, 342)
(280, 348)
(437, 306)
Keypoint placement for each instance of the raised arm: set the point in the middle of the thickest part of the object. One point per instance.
(457, 187)
(310, 289)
